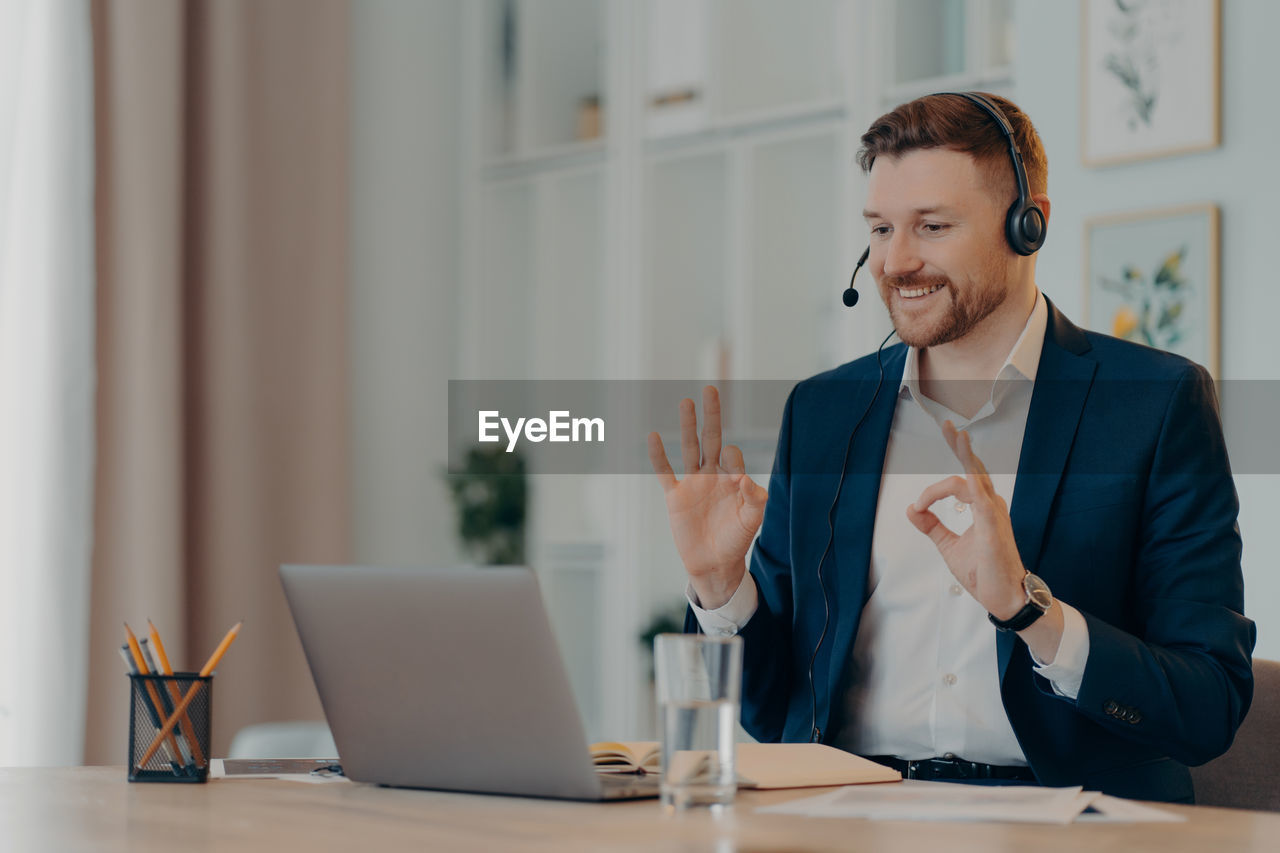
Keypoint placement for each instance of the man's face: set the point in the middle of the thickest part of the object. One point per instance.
(938, 250)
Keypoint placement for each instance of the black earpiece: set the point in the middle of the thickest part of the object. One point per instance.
(1025, 228)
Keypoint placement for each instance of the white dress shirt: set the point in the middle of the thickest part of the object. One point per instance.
(925, 680)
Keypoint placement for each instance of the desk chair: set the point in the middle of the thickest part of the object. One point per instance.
(1248, 775)
(295, 739)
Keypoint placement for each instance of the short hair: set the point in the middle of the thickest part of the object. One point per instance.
(954, 122)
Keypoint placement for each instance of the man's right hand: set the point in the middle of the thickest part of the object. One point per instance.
(716, 509)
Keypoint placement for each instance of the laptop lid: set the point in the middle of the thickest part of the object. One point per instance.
(445, 679)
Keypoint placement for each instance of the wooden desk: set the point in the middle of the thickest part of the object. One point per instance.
(94, 808)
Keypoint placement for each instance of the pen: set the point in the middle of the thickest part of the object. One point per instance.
(205, 671)
(188, 729)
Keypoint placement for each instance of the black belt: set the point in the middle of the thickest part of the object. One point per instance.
(950, 767)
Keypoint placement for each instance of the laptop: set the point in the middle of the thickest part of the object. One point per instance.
(447, 679)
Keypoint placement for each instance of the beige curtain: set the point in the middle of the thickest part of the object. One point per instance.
(221, 138)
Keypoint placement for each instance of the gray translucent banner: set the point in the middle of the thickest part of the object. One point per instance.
(601, 426)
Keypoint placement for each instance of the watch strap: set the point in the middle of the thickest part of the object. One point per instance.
(1024, 618)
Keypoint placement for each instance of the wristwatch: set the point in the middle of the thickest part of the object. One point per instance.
(1039, 600)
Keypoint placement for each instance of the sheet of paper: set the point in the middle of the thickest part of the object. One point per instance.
(282, 769)
(1115, 810)
(917, 800)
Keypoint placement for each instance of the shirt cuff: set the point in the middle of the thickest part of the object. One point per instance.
(1067, 670)
(733, 615)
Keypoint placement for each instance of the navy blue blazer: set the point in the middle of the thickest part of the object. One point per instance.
(1124, 504)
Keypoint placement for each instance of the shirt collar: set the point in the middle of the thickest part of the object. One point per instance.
(1025, 356)
(1022, 362)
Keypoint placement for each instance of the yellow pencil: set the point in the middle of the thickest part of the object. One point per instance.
(205, 671)
(188, 729)
(221, 650)
(136, 651)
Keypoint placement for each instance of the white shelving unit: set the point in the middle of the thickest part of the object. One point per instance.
(542, 63)
(700, 228)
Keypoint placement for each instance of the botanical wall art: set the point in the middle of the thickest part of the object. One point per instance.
(1152, 277)
(1151, 78)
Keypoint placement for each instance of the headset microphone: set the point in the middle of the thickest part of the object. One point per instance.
(851, 295)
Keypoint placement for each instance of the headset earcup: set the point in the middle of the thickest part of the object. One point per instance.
(1025, 228)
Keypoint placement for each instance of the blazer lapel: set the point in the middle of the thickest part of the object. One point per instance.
(1063, 380)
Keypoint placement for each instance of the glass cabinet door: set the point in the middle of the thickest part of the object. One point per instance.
(685, 265)
(545, 62)
(715, 62)
(773, 56)
(929, 39)
(937, 45)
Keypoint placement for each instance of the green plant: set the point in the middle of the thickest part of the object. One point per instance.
(490, 495)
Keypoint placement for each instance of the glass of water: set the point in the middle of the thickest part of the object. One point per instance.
(699, 684)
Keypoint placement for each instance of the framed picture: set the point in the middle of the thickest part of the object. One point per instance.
(1151, 78)
(1152, 277)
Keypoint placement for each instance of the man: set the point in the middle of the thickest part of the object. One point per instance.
(1085, 506)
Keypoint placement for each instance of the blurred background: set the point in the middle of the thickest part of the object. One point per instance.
(246, 244)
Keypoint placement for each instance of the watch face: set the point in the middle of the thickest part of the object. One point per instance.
(1037, 591)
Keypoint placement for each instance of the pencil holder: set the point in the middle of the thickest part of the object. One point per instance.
(182, 754)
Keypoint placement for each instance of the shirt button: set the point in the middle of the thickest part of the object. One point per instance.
(961, 507)
(948, 679)
(955, 589)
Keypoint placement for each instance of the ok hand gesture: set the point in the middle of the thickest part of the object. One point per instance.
(984, 559)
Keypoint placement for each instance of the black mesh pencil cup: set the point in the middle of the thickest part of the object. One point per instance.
(182, 755)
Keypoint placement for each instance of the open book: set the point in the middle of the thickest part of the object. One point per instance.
(643, 756)
(760, 765)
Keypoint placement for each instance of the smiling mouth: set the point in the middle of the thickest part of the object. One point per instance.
(917, 292)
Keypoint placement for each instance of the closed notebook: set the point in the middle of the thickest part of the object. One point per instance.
(806, 765)
(760, 765)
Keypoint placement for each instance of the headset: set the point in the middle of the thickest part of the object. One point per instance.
(1025, 229)
(1024, 226)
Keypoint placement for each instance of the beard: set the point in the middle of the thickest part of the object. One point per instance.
(966, 310)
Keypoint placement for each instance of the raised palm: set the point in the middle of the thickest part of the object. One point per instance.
(716, 509)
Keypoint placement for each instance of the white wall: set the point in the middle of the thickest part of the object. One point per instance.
(404, 270)
(1242, 177)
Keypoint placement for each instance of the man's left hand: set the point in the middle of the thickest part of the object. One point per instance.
(984, 559)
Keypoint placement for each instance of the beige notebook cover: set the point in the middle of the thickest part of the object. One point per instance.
(760, 765)
(806, 765)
